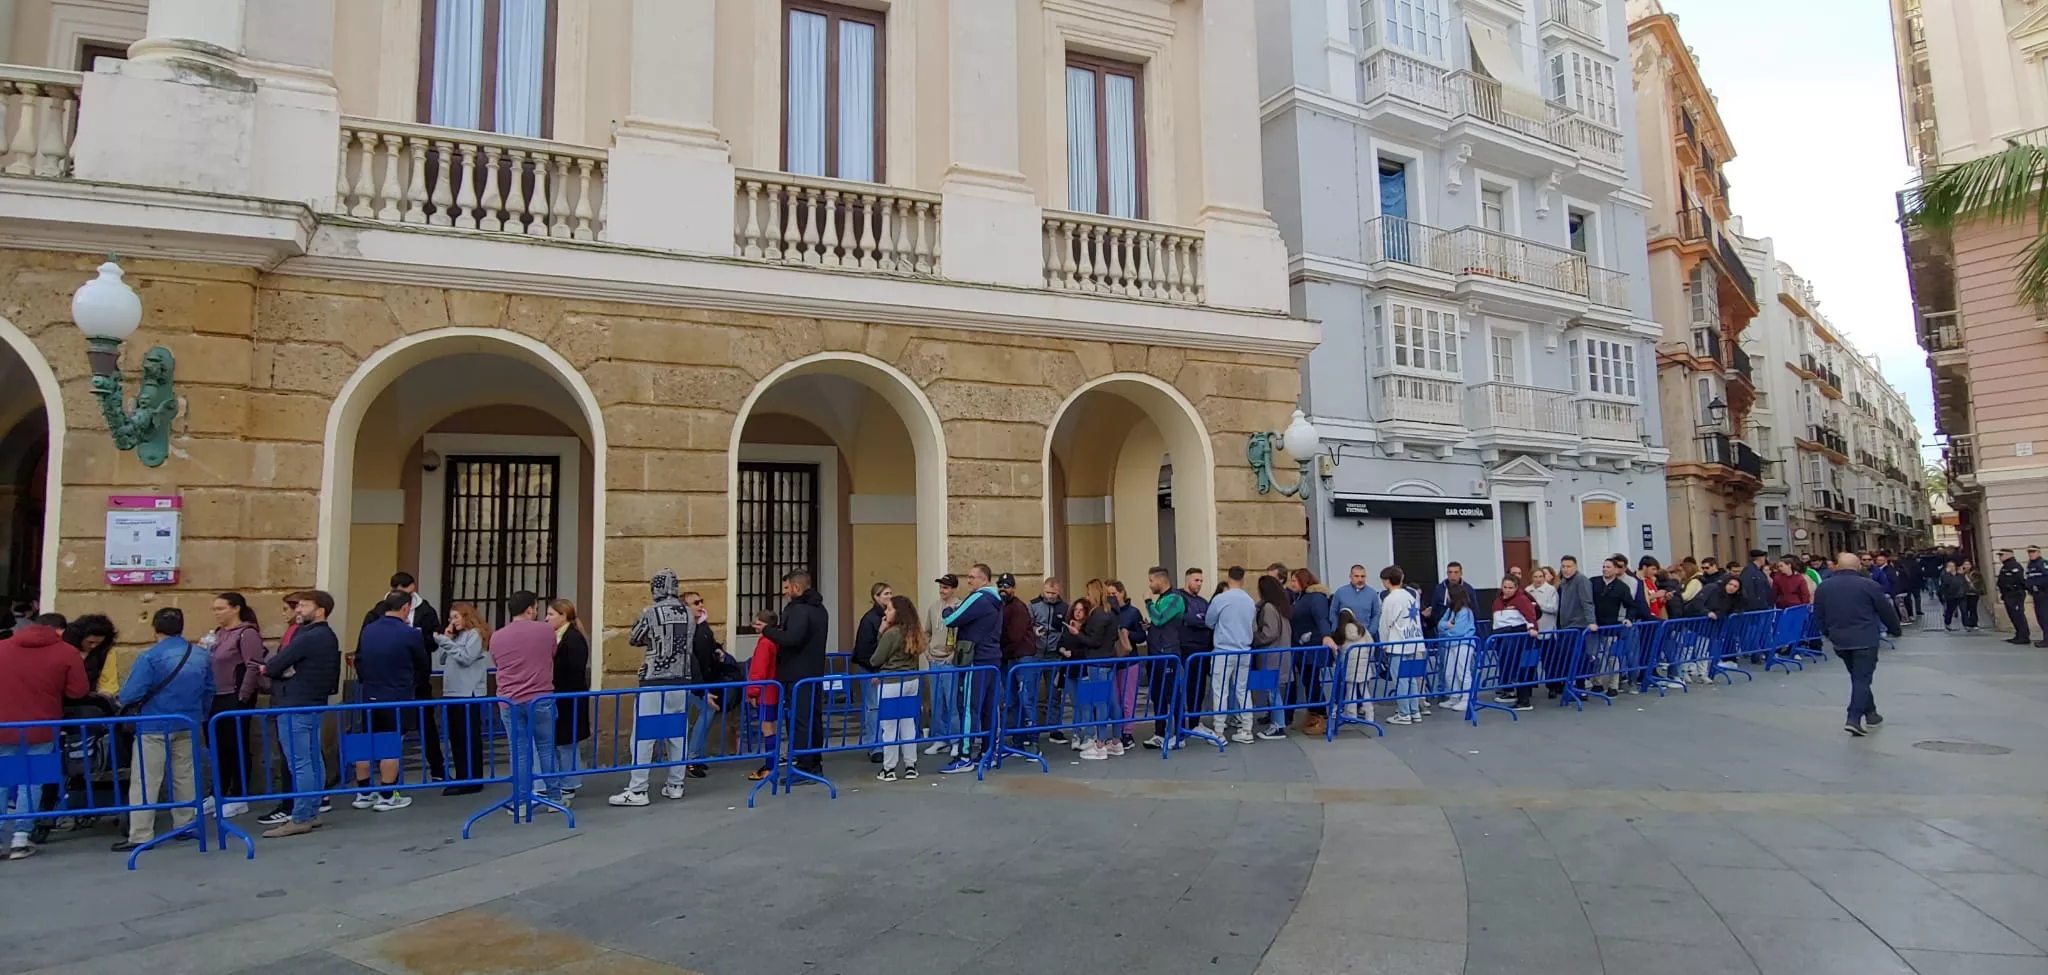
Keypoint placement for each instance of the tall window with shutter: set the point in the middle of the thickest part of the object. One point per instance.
(832, 95)
(1105, 137)
(488, 65)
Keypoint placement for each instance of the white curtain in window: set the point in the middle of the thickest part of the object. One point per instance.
(856, 101)
(1121, 105)
(806, 94)
(522, 60)
(458, 55)
(1081, 175)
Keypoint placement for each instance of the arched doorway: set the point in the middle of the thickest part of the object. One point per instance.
(472, 459)
(31, 433)
(837, 467)
(1130, 483)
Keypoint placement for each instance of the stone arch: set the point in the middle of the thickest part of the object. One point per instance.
(385, 367)
(52, 395)
(909, 406)
(1164, 426)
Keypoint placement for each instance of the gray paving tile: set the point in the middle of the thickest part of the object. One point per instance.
(1625, 957)
(312, 963)
(1958, 963)
(1708, 845)
(1939, 922)
(1751, 892)
(1358, 953)
(1812, 946)
(1923, 848)
(1653, 914)
(2018, 901)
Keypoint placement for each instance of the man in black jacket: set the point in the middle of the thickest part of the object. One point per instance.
(304, 674)
(1852, 609)
(1756, 582)
(800, 653)
(2037, 586)
(2012, 591)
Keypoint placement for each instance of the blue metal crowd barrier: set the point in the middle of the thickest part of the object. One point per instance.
(899, 697)
(1788, 631)
(370, 735)
(1683, 653)
(1514, 663)
(638, 730)
(1109, 696)
(1743, 635)
(82, 750)
(1245, 684)
(1407, 674)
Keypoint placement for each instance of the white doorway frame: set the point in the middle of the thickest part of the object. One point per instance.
(568, 451)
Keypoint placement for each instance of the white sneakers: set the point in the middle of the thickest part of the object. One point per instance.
(364, 800)
(628, 798)
(1114, 748)
(936, 747)
(395, 801)
(232, 809)
(1094, 752)
(671, 792)
(1242, 737)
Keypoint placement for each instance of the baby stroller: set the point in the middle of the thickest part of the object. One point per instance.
(94, 755)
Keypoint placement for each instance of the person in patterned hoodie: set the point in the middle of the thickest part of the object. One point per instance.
(663, 632)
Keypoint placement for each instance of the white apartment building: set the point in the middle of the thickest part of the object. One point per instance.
(1460, 195)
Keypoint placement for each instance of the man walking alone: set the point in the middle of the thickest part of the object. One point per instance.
(1852, 609)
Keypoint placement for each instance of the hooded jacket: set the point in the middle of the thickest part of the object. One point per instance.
(238, 654)
(800, 640)
(978, 622)
(664, 631)
(38, 670)
(1048, 624)
(1311, 616)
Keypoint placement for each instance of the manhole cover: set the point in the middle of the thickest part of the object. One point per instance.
(1962, 747)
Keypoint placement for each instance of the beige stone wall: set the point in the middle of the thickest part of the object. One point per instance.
(261, 358)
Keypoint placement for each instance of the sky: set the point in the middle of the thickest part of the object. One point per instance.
(1812, 103)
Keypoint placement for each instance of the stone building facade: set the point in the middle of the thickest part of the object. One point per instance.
(354, 389)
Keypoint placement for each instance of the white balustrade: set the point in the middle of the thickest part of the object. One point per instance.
(1578, 15)
(1475, 252)
(38, 117)
(1509, 407)
(1416, 399)
(397, 172)
(1391, 73)
(835, 223)
(1095, 254)
(1601, 419)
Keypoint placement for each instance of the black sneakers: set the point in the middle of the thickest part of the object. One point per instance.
(1854, 728)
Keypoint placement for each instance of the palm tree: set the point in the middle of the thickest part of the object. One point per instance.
(2004, 187)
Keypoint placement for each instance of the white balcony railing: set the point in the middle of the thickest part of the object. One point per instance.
(1474, 252)
(38, 116)
(835, 223)
(1388, 73)
(1609, 420)
(1391, 73)
(1582, 16)
(1478, 96)
(1417, 400)
(397, 172)
(1091, 253)
(1591, 139)
(1508, 408)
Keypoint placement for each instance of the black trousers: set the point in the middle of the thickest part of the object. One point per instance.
(2041, 612)
(1949, 608)
(1862, 666)
(425, 721)
(807, 714)
(466, 723)
(1970, 611)
(230, 746)
(2016, 610)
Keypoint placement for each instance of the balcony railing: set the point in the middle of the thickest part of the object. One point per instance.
(1716, 448)
(835, 223)
(1468, 94)
(1474, 252)
(397, 172)
(1830, 439)
(1748, 461)
(1689, 127)
(1608, 420)
(40, 112)
(1506, 406)
(1706, 343)
(1731, 263)
(1832, 377)
(1941, 331)
(1105, 255)
(1582, 16)
(1741, 365)
(1959, 457)
(1695, 223)
(1416, 400)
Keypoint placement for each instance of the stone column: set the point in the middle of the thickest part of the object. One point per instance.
(671, 173)
(1244, 259)
(990, 222)
(222, 96)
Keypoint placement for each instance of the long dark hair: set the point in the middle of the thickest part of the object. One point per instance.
(1273, 591)
(907, 621)
(1457, 598)
(241, 606)
(89, 625)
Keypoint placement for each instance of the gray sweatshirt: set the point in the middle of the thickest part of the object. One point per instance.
(664, 631)
(464, 664)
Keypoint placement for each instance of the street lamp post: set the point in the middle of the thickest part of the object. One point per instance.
(1300, 441)
(107, 310)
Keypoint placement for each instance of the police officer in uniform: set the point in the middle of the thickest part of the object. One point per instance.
(2037, 585)
(2012, 590)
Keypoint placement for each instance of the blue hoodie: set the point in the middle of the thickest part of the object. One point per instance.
(978, 621)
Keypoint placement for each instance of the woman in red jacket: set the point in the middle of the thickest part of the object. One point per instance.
(1515, 612)
(764, 697)
(1788, 586)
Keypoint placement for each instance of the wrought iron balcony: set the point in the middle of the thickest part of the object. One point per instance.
(1478, 254)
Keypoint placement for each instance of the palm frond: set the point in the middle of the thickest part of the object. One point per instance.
(2001, 187)
(2031, 279)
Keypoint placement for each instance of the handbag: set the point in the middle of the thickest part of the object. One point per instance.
(130, 710)
(1123, 642)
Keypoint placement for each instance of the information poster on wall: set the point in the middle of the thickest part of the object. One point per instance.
(142, 540)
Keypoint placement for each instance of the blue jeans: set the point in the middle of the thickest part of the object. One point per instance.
(1096, 718)
(532, 726)
(870, 711)
(700, 725)
(21, 798)
(565, 760)
(299, 736)
(946, 707)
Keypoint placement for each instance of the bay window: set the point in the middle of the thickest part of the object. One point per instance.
(832, 96)
(488, 65)
(1607, 367)
(1585, 84)
(1415, 26)
(1415, 338)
